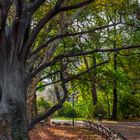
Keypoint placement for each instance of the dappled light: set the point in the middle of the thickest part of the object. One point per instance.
(69, 69)
(62, 133)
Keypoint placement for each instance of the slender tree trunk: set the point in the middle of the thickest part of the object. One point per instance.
(115, 95)
(94, 91)
(108, 106)
(115, 100)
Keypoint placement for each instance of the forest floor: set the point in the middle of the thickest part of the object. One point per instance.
(62, 133)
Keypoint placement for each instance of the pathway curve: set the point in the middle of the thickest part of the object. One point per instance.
(131, 130)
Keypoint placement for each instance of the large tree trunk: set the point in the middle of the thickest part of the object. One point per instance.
(13, 102)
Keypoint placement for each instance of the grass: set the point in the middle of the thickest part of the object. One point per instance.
(64, 118)
(82, 119)
(96, 120)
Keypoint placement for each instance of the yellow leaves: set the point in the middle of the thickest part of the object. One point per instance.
(82, 66)
(109, 2)
(110, 5)
(42, 11)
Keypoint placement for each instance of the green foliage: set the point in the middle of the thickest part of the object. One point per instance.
(83, 108)
(129, 106)
(67, 111)
(42, 104)
(39, 85)
(100, 13)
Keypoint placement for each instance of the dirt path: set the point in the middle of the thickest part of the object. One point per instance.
(130, 130)
(62, 133)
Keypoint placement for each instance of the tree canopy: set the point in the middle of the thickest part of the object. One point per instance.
(90, 44)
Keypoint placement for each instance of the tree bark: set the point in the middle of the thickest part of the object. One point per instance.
(115, 94)
(13, 102)
(94, 91)
(115, 100)
(108, 106)
(31, 99)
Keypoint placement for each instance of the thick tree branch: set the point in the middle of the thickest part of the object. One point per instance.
(4, 9)
(54, 108)
(76, 6)
(39, 26)
(16, 26)
(71, 34)
(75, 76)
(101, 50)
(57, 9)
(60, 57)
(35, 5)
(61, 101)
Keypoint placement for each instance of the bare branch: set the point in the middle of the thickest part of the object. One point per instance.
(39, 26)
(101, 50)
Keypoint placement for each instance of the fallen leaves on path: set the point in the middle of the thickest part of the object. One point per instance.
(62, 133)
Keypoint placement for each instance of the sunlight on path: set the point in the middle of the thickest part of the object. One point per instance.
(62, 133)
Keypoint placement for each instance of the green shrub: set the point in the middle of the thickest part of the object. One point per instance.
(99, 109)
(67, 111)
(83, 108)
(129, 105)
